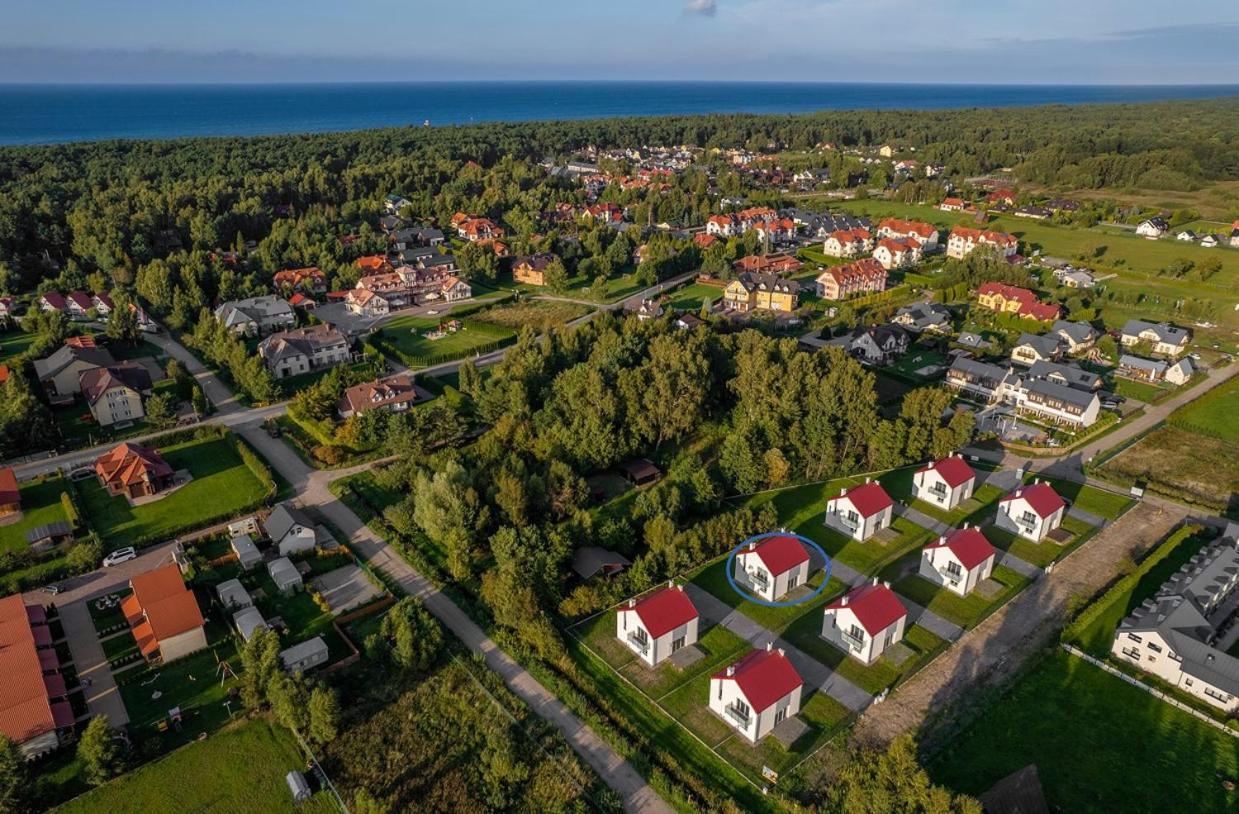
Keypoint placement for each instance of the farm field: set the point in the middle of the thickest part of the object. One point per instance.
(222, 485)
(1110, 727)
(239, 769)
(40, 506)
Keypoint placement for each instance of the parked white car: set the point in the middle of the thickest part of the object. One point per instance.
(120, 555)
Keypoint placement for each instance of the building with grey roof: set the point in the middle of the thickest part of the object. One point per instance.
(1067, 375)
(1164, 338)
(1180, 635)
(923, 316)
(1077, 336)
(256, 315)
(1030, 348)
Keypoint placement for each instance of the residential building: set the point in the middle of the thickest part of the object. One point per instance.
(247, 552)
(1141, 369)
(848, 243)
(1233, 241)
(1163, 338)
(752, 292)
(1175, 636)
(1031, 511)
(898, 252)
(310, 280)
(924, 316)
(164, 616)
(1066, 375)
(773, 566)
(373, 264)
(35, 713)
(304, 350)
(10, 493)
(395, 394)
(963, 241)
(777, 263)
(1180, 372)
(952, 205)
(78, 305)
(290, 530)
(757, 693)
(7, 311)
(232, 594)
(455, 289)
(531, 269)
(52, 301)
(366, 303)
(1078, 278)
(959, 561)
(879, 344)
(865, 621)
(925, 234)
(867, 276)
(305, 656)
(248, 621)
(776, 230)
(285, 575)
(257, 315)
(657, 625)
(60, 374)
(1032, 211)
(1043, 398)
(1153, 228)
(114, 393)
(945, 483)
(1031, 348)
(1009, 299)
(475, 229)
(861, 511)
(133, 471)
(1077, 337)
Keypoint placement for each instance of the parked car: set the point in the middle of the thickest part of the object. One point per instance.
(51, 589)
(84, 473)
(120, 555)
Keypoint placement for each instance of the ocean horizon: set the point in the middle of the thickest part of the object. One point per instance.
(53, 113)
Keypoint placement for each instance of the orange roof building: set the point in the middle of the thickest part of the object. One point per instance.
(164, 616)
(34, 710)
(10, 496)
(134, 471)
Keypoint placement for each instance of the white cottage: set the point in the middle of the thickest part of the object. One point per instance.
(865, 621)
(860, 512)
(657, 625)
(1031, 511)
(773, 566)
(757, 693)
(944, 484)
(958, 561)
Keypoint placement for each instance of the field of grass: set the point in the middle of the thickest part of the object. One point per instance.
(970, 511)
(14, 343)
(408, 335)
(541, 315)
(1140, 391)
(240, 769)
(713, 578)
(1100, 502)
(1213, 414)
(1045, 552)
(965, 611)
(1182, 464)
(806, 634)
(222, 483)
(191, 683)
(1100, 745)
(40, 506)
(691, 296)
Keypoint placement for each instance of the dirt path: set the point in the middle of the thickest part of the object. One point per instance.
(994, 649)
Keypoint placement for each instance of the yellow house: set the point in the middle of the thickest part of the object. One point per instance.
(750, 292)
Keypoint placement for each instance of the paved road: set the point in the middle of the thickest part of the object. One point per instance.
(313, 490)
(215, 390)
(98, 686)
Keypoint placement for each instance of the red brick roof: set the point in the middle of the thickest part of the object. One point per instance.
(764, 676)
(25, 708)
(954, 470)
(664, 611)
(876, 607)
(160, 607)
(869, 498)
(9, 493)
(908, 227)
(1041, 498)
(968, 545)
(780, 553)
(4, 373)
(129, 462)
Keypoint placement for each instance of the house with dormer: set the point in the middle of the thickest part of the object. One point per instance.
(658, 624)
(959, 561)
(865, 621)
(772, 567)
(861, 511)
(1031, 511)
(757, 693)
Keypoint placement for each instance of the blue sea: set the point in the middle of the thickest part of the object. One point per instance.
(41, 114)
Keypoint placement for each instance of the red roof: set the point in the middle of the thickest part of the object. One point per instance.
(779, 554)
(9, 493)
(869, 498)
(1041, 498)
(131, 463)
(664, 611)
(968, 545)
(876, 607)
(160, 607)
(4, 373)
(764, 676)
(25, 708)
(954, 470)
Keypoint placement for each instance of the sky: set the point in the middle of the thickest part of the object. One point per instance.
(960, 41)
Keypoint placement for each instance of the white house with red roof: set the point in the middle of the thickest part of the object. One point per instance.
(757, 693)
(773, 566)
(1031, 511)
(946, 483)
(958, 561)
(658, 624)
(865, 621)
(860, 512)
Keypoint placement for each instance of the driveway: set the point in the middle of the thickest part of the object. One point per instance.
(98, 686)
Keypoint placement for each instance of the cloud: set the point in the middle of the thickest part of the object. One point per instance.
(707, 8)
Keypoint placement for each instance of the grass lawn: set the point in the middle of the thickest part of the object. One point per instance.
(121, 644)
(191, 683)
(918, 358)
(806, 634)
(541, 315)
(1213, 414)
(1045, 552)
(965, 611)
(240, 769)
(1086, 730)
(691, 296)
(40, 506)
(971, 510)
(713, 578)
(870, 555)
(222, 483)
(1140, 391)
(1100, 502)
(407, 334)
(14, 343)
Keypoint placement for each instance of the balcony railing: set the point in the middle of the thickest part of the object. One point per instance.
(856, 642)
(641, 645)
(738, 717)
(759, 579)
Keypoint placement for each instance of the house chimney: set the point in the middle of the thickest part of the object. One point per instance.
(886, 583)
(875, 580)
(782, 652)
(769, 646)
(731, 669)
(868, 480)
(942, 539)
(844, 601)
(671, 583)
(632, 603)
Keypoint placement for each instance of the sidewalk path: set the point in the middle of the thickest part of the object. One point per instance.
(102, 696)
(921, 519)
(931, 621)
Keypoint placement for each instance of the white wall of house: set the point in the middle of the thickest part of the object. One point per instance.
(729, 703)
(182, 644)
(299, 538)
(118, 405)
(1017, 516)
(633, 634)
(40, 744)
(940, 566)
(932, 488)
(752, 573)
(843, 517)
(1138, 649)
(841, 628)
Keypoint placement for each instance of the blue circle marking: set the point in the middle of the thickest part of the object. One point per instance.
(748, 597)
